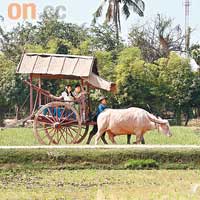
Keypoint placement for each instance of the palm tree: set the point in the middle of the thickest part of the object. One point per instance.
(113, 11)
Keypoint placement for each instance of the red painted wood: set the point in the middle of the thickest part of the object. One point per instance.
(40, 96)
(31, 95)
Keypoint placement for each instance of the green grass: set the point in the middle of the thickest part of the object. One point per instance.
(17, 137)
(141, 164)
(181, 135)
(100, 184)
(99, 159)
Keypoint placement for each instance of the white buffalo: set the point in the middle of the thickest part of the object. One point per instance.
(129, 121)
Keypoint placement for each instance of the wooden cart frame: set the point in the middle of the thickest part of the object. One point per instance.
(57, 122)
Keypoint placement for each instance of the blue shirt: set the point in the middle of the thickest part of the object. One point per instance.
(100, 109)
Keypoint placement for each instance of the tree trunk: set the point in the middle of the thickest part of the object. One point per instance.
(1, 116)
(178, 116)
(116, 18)
(198, 112)
(188, 114)
(187, 118)
(16, 112)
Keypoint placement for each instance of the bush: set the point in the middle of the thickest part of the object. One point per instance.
(141, 164)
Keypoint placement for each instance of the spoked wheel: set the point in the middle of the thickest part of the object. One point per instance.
(58, 123)
(84, 131)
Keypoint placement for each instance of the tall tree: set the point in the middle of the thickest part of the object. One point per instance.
(158, 38)
(113, 11)
(104, 39)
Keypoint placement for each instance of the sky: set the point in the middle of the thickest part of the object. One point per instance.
(80, 12)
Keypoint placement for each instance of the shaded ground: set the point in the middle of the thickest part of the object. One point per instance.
(100, 184)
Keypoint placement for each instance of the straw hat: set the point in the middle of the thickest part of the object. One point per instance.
(102, 97)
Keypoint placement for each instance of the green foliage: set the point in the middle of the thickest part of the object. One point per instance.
(141, 164)
(132, 78)
(177, 75)
(83, 49)
(50, 27)
(195, 53)
(164, 85)
(7, 82)
(54, 46)
(104, 39)
(105, 64)
(195, 91)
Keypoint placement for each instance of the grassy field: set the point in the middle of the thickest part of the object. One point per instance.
(104, 174)
(181, 135)
(100, 185)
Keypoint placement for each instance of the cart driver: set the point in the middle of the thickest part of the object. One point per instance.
(102, 106)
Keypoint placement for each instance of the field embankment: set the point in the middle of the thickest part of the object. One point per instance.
(112, 158)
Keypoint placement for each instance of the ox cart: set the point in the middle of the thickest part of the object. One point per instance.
(59, 122)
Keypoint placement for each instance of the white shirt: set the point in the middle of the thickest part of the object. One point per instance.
(67, 97)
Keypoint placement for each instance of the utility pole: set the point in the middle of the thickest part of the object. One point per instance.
(187, 4)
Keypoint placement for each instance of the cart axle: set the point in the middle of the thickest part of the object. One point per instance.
(57, 125)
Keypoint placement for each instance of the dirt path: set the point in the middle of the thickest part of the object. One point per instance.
(106, 147)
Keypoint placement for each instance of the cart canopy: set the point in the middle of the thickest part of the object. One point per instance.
(59, 66)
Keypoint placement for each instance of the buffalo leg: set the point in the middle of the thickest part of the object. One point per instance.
(103, 138)
(111, 137)
(138, 138)
(99, 133)
(129, 139)
(93, 132)
(142, 140)
(98, 136)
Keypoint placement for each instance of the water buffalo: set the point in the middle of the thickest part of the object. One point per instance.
(133, 120)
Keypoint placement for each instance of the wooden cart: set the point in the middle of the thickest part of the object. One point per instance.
(57, 122)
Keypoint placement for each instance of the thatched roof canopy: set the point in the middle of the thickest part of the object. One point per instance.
(59, 66)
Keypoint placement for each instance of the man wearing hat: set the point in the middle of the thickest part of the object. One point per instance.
(102, 106)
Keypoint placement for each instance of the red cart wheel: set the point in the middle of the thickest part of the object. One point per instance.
(84, 131)
(58, 123)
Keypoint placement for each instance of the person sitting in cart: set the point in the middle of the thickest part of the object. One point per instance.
(77, 92)
(101, 107)
(79, 96)
(67, 95)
